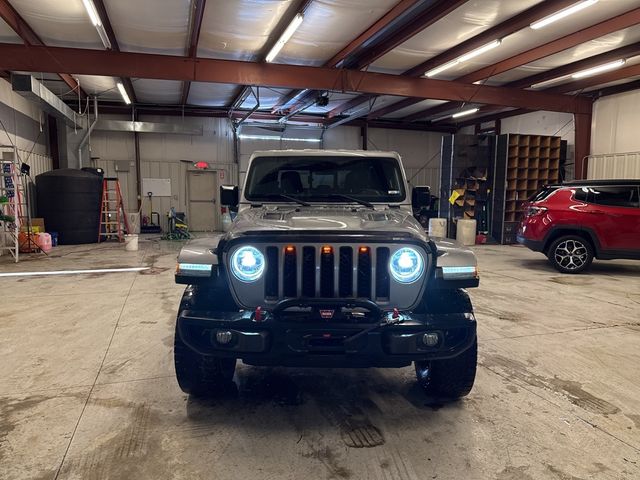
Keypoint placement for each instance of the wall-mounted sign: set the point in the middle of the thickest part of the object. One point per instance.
(221, 174)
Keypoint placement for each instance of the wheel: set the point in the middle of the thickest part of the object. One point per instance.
(201, 375)
(452, 378)
(570, 254)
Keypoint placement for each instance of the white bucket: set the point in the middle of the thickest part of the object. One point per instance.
(438, 227)
(131, 242)
(466, 232)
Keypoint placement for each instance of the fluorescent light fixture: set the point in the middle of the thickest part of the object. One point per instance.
(480, 50)
(599, 69)
(123, 92)
(560, 14)
(464, 113)
(464, 58)
(284, 38)
(441, 68)
(74, 272)
(553, 81)
(93, 13)
(97, 22)
(270, 137)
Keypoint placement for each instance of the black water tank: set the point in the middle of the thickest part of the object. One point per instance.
(69, 201)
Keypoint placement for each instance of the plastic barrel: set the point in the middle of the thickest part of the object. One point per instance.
(438, 227)
(466, 232)
(69, 201)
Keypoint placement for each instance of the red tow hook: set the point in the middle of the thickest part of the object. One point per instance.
(257, 316)
(396, 314)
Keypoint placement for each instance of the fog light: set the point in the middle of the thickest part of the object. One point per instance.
(223, 337)
(430, 339)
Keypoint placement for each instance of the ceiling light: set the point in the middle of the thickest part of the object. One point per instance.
(479, 51)
(93, 13)
(463, 58)
(546, 83)
(464, 113)
(565, 12)
(123, 92)
(599, 69)
(284, 38)
(274, 138)
(97, 22)
(441, 68)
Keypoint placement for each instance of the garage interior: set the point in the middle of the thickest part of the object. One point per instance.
(171, 98)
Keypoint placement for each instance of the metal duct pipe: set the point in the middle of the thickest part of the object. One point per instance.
(89, 130)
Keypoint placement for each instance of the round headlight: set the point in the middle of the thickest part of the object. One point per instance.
(247, 264)
(406, 265)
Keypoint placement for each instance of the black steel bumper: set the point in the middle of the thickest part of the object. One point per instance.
(304, 339)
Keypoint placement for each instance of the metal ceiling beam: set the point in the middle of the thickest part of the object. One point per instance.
(29, 37)
(605, 27)
(359, 42)
(167, 67)
(195, 25)
(194, 111)
(106, 23)
(508, 27)
(620, 22)
(601, 79)
(298, 7)
(615, 89)
(589, 62)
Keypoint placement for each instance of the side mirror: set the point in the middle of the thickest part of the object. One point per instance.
(420, 197)
(229, 196)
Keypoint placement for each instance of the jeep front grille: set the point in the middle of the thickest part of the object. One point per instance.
(326, 271)
(347, 270)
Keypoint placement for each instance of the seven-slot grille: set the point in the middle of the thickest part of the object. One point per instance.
(327, 271)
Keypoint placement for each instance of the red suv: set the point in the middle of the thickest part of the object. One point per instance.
(574, 222)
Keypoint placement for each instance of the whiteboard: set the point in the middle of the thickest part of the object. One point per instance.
(160, 187)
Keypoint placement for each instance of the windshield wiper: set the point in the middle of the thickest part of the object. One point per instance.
(347, 197)
(288, 197)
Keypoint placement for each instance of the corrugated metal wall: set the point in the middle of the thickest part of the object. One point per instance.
(614, 166)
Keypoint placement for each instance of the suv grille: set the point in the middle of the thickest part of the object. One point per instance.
(327, 272)
(317, 270)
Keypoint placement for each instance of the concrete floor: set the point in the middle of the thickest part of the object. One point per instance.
(87, 389)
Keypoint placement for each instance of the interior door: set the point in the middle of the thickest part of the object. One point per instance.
(615, 215)
(203, 214)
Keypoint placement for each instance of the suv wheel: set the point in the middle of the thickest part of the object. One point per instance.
(201, 375)
(450, 379)
(570, 254)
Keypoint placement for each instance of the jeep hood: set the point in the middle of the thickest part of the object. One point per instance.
(330, 218)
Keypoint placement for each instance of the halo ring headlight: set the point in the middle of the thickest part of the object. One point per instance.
(406, 265)
(247, 264)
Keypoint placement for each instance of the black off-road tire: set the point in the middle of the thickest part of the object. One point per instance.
(452, 378)
(570, 254)
(201, 375)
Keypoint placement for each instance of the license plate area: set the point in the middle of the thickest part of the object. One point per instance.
(325, 341)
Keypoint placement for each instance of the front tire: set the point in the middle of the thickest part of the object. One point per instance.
(452, 378)
(201, 375)
(570, 254)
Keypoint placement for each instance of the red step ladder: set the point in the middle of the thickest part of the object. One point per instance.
(113, 217)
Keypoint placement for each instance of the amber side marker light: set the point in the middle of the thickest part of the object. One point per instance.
(364, 249)
(327, 250)
(289, 249)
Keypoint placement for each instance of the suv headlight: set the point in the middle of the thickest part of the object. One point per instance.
(247, 264)
(406, 265)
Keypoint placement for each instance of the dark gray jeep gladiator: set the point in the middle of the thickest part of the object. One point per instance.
(325, 266)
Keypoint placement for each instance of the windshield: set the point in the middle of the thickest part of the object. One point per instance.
(325, 179)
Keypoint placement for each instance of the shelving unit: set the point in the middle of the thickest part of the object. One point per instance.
(465, 168)
(523, 164)
(11, 194)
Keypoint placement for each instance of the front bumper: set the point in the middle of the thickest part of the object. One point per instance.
(303, 339)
